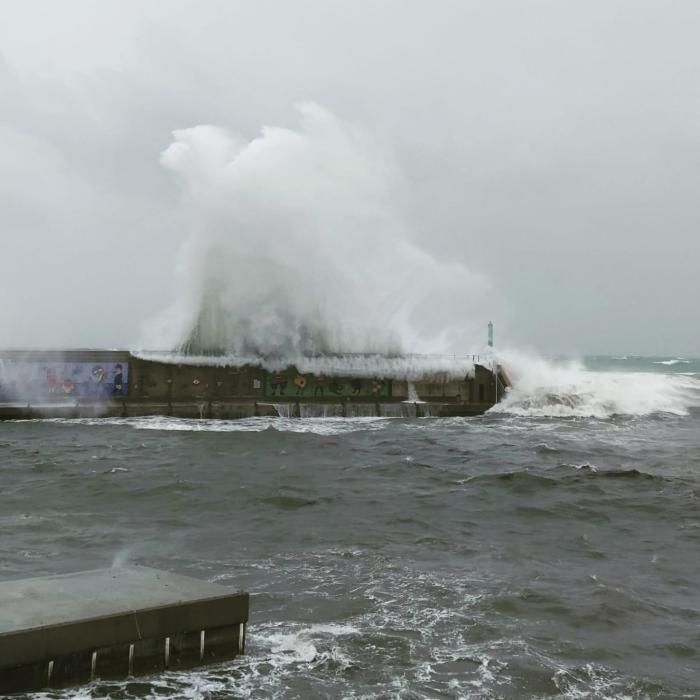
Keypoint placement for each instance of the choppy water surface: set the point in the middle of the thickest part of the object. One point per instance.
(513, 555)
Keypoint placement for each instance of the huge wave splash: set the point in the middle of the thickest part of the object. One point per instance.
(296, 247)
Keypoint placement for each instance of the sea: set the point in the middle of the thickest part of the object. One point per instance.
(547, 549)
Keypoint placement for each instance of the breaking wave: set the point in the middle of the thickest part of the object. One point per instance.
(548, 389)
(297, 245)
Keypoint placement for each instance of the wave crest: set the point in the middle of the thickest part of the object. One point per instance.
(549, 389)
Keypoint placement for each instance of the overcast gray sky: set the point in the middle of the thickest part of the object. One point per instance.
(554, 146)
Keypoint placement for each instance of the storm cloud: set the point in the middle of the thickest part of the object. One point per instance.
(552, 147)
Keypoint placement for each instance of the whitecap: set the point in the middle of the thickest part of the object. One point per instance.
(316, 426)
(543, 388)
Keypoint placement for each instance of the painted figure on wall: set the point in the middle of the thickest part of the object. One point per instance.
(320, 385)
(377, 386)
(118, 385)
(29, 381)
(278, 383)
(51, 380)
(299, 382)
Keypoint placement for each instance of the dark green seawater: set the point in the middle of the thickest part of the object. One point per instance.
(550, 549)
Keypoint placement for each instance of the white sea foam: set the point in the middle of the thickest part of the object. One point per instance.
(318, 426)
(294, 646)
(670, 363)
(412, 367)
(544, 388)
(591, 682)
(304, 644)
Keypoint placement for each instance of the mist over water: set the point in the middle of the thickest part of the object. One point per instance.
(297, 246)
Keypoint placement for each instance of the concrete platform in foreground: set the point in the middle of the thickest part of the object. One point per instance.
(60, 631)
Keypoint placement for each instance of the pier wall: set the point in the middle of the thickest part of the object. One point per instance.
(88, 383)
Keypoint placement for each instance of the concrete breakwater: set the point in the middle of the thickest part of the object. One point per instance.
(93, 383)
(61, 631)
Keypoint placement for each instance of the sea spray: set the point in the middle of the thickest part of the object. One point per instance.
(410, 367)
(544, 388)
(297, 248)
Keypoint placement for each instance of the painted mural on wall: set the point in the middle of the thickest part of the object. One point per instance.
(292, 384)
(32, 381)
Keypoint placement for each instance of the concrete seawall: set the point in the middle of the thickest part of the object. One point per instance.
(94, 383)
(61, 631)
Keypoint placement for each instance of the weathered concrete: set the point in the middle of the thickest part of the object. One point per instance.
(154, 388)
(60, 631)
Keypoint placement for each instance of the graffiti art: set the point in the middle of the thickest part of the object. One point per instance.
(32, 381)
(321, 386)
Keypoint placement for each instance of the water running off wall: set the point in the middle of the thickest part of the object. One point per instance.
(410, 367)
(297, 246)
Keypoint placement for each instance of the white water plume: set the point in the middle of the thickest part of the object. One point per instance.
(556, 389)
(410, 367)
(297, 247)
